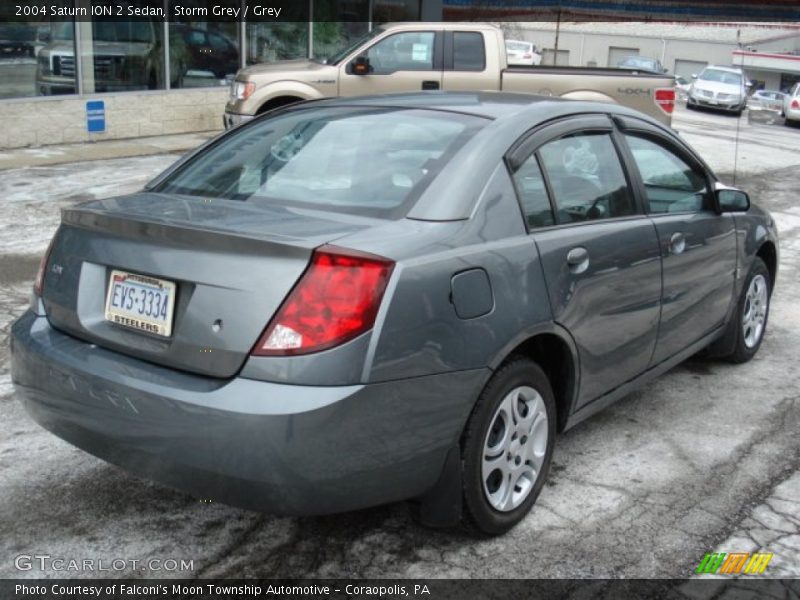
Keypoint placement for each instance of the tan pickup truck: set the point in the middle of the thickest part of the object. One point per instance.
(437, 56)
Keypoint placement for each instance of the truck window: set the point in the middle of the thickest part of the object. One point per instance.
(468, 51)
(407, 51)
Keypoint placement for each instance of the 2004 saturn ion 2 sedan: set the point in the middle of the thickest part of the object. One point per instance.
(351, 302)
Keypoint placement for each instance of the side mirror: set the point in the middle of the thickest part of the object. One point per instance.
(694, 75)
(732, 200)
(360, 66)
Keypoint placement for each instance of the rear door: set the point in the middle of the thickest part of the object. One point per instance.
(466, 65)
(697, 245)
(406, 61)
(599, 252)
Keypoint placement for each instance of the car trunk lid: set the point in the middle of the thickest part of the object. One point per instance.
(232, 262)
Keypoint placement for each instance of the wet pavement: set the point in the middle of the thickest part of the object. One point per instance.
(704, 459)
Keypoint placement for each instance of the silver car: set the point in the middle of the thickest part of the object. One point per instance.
(791, 105)
(719, 88)
(351, 302)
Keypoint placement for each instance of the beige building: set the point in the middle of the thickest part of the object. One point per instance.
(769, 53)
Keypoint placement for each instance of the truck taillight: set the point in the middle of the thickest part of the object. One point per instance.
(665, 98)
(38, 283)
(336, 300)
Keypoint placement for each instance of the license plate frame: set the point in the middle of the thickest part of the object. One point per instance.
(152, 301)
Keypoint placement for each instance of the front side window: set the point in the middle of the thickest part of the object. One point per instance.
(408, 51)
(586, 178)
(671, 184)
(371, 161)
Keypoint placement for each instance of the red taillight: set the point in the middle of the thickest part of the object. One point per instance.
(336, 299)
(38, 283)
(795, 104)
(665, 98)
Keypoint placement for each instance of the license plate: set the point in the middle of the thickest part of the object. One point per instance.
(140, 302)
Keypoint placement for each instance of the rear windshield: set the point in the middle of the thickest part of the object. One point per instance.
(362, 160)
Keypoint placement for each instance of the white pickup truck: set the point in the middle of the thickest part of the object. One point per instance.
(437, 56)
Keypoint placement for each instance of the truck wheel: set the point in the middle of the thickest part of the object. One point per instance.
(752, 311)
(507, 447)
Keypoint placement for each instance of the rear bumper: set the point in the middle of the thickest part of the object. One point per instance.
(792, 114)
(280, 448)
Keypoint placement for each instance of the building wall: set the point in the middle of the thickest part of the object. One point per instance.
(38, 122)
(592, 49)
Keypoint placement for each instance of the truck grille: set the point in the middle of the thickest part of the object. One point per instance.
(103, 66)
(64, 66)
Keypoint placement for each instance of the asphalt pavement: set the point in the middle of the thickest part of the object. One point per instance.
(704, 459)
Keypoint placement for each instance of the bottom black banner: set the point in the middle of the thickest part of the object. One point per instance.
(394, 589)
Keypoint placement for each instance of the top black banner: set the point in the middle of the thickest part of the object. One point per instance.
(362, 10)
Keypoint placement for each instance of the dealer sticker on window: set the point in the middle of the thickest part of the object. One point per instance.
(140, 302)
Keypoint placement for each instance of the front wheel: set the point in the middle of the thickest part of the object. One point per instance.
(752, 312)
(507, 447)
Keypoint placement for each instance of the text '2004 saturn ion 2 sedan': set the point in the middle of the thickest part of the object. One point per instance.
(351, 302)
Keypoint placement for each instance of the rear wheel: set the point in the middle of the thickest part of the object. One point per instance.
(507, 447)
(752, 312)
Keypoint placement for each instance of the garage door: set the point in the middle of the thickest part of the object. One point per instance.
(617, 53)
(563, 57)
(687, 68)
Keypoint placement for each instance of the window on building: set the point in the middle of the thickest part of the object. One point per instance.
(202, 54)
(36, 59)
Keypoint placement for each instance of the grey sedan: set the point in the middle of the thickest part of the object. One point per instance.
(358, 301)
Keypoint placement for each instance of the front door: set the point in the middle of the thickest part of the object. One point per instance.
(698, 246)
(407, 61)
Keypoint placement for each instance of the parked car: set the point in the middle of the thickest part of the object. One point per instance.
(16, 39)
(352, 302)
(766, 99)
(641, 63)
(720, 88)
(522, 53)
(410, 57)
(791, 105)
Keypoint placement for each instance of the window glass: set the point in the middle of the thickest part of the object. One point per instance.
(202, 53)
(533, 194)
(719, 76)
(586, 177)
(31, 56)
(671, 184)
(268, 42)
(122, 56)
(468, 51)
(337, 25)
(408, 51)
(368, 161)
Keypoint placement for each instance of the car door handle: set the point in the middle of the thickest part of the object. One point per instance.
(430, 85)
(677, 243)
(578, 260)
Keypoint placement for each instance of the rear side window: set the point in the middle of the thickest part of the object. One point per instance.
(373, 161)
(532, 193)
(586, 178)
(468, 51)
(671, 184)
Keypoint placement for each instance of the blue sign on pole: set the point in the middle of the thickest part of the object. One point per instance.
(95, 116)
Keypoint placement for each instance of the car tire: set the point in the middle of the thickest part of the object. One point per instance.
(749, 323)
(507, 446)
